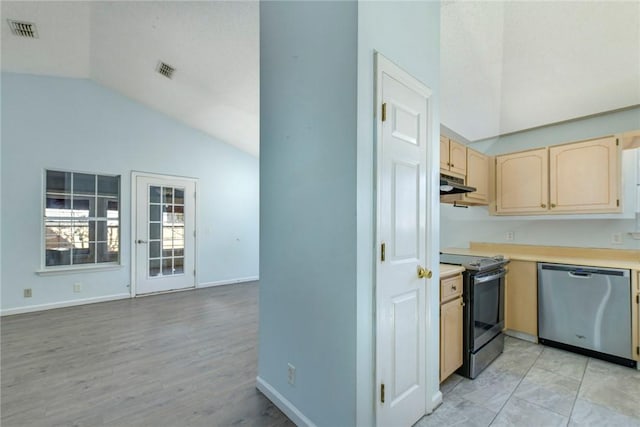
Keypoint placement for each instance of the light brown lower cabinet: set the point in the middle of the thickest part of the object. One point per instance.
(521, 297)
(635, 314)
(451, 306)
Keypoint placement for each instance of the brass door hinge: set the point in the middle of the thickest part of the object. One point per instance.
(638, 299)
(618, 203)
(384, 112)
(638, 350)
(617, 141)
(383, 251)
(382, 393)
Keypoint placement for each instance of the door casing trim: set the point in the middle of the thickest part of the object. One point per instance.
(134, 204)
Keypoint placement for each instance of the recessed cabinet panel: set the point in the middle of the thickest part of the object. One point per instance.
(457, 157)
(522, 182)
(450, 337)
(453, 157)
(477, 176)
(444, 153)
(521, 294)
(584, 176)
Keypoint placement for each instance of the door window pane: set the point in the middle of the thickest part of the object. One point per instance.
(154, 267)
(154, 249)
(167, 195)
(154, 194)
(154, 212)
(166, 225)
(154, 231)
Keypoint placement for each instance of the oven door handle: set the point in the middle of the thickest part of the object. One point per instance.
(483, 279)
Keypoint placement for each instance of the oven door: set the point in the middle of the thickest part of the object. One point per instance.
(487, 307)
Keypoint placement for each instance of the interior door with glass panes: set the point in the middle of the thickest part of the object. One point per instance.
(164, 238)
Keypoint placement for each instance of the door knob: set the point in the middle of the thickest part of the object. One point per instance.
(423, 273)
(141, 241)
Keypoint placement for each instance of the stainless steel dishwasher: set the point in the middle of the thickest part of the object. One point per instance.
(586, 310)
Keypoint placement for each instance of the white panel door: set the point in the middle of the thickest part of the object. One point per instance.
(401, 234)
(164, 239)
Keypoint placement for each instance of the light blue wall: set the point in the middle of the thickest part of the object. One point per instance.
(75, 124)
(575, 130)
(408, 34)
(308, 206)
(460, 226)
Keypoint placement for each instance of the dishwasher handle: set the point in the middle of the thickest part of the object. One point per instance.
(576, 274)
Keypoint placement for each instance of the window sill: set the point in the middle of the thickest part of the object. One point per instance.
(74, 270)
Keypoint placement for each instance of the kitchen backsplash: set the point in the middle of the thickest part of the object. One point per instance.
(459, 226)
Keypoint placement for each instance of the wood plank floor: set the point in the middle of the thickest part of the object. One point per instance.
(180, 359)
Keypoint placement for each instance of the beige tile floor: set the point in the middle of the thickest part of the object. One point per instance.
(534, 385)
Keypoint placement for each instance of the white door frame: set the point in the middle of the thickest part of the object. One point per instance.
(134, 226)
(433, 395)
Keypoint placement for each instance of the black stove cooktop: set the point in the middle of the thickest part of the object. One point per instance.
(474, 263)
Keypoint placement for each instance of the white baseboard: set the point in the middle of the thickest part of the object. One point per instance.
(283, 404)
(436, 401)
(228, 282)
(61, 304)
(521, 335)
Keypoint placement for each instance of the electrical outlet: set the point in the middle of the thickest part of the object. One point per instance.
(616, 238)
(291, 374)
(28, 293)
(77, 287)
(510, 236)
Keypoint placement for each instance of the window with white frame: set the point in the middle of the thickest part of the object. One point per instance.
(81, 219)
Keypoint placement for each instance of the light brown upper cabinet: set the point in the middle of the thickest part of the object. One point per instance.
(522, 182)
(453, 156)
(478, 177)
(580, 177)
(585, 176)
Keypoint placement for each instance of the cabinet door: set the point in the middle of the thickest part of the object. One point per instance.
(477, 176)
(635, 315)
(457, 157)
(521, 294)
(450, 337)
(522, 182)
(585, 176)
(444, 153)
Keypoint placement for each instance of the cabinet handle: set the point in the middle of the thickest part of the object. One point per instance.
(543, 205)
(453, 288)
(553, 205)
(448, 164)
(452, 165)
(462, 303)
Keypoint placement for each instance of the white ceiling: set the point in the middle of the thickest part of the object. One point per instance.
(214, 47)
(505, 66)
(510, 66)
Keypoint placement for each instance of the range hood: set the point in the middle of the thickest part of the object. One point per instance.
(453, 185)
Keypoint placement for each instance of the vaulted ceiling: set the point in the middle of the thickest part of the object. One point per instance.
(213, 45)
(515, 65)
(505, 66)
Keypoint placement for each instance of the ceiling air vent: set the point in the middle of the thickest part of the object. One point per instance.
(23, 29)
(165, 69)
